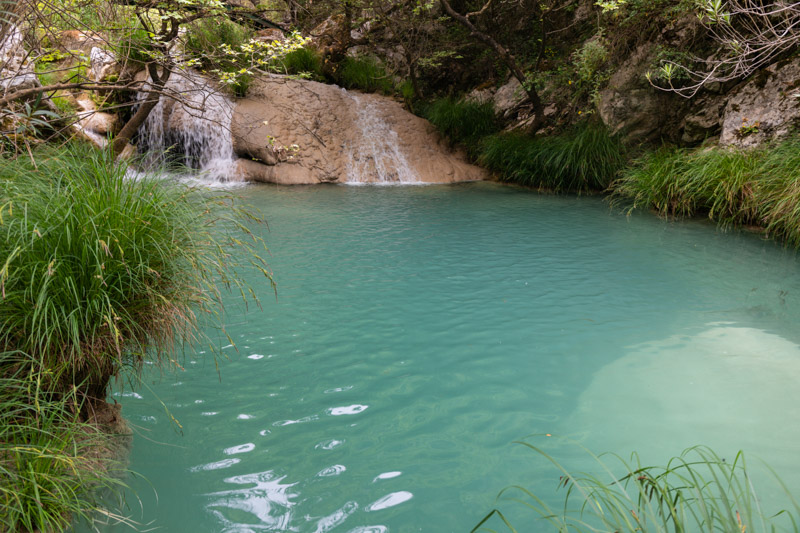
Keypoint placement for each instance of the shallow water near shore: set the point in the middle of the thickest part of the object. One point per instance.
(418, 331)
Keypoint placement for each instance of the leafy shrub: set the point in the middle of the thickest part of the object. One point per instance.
(120, 269)
(365, 74)
(462, 121)
(584, 159)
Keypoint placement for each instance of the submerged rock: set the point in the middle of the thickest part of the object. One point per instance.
(302, 132)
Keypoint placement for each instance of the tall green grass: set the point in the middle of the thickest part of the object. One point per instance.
(586, 158)
(464, 122)
(365, 74)
(305, 62)
(697, 491)
(733, 187)
(99, 271)
(53, 467)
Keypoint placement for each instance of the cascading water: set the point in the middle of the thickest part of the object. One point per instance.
(375, 155)
(191, 125)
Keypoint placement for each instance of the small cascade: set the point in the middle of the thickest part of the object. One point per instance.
(375, 155)
(193, 128)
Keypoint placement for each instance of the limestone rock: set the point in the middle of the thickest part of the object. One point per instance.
(102, 64)
(269, 35)
(298, 131)
(81, 40)
(628, 105)
(508, 97)
(765, 107)
(16, 71)
(704, 122)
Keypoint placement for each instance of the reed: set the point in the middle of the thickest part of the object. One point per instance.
(586, 158)
(53, 467)
(99, 271)
(694, 492)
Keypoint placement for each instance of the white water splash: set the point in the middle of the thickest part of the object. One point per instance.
(376, 156)
(191, 127)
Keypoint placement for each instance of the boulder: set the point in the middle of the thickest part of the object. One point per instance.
(765, 107)
(16, 72)
(102, 64)
(298, 131)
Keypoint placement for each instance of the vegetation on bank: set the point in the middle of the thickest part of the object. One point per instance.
(732, 186)
(101, 272)
(695, 491)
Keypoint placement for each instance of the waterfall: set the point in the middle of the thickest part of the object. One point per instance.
(191, 125)
(374, 154)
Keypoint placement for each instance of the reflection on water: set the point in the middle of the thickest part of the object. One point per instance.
(264, 507)
(419, 331)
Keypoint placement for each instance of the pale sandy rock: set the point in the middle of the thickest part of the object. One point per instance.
(100, 123)
(299, 131)
(102, 64)
(270, 34)
(81, 40)
(16, 72)
(765, 107)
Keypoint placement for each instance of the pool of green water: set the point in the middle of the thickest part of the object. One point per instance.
(418, 331)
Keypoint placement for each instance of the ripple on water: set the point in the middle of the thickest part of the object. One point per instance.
(386, 475)
(336, 518)
(369, 529)
(242, 448)
(264, 499)
(347, 410)
(334, 470)
(219, 465)
(328, 444)
(390, 500)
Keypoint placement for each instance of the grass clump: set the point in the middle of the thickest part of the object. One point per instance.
(584, 159)
(695, 491)
(99, 272)
(50, 467)
(464, 122)
(303, 62)
(733, 187)
(365, 74)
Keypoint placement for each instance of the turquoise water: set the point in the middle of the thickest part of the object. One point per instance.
(418, 331)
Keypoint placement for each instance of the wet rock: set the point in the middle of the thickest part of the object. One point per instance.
(763, 108)
(299, 131)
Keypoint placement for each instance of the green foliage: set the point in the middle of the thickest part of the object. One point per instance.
(50, 471)
(365, 74)
(206, 36)
(304, 62)
(758, 186)
(589, 59)
(584, 159)
(696, 491)
(119, 269)
(135, 47)
(462, 121)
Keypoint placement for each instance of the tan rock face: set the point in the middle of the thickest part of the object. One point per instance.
(765, 107)
(302, 132)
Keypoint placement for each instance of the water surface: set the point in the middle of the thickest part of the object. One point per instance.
(418, 331)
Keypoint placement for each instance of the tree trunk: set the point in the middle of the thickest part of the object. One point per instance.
(507, 58)
(132, 126)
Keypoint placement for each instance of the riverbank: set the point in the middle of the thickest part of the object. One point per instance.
(101, 275)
